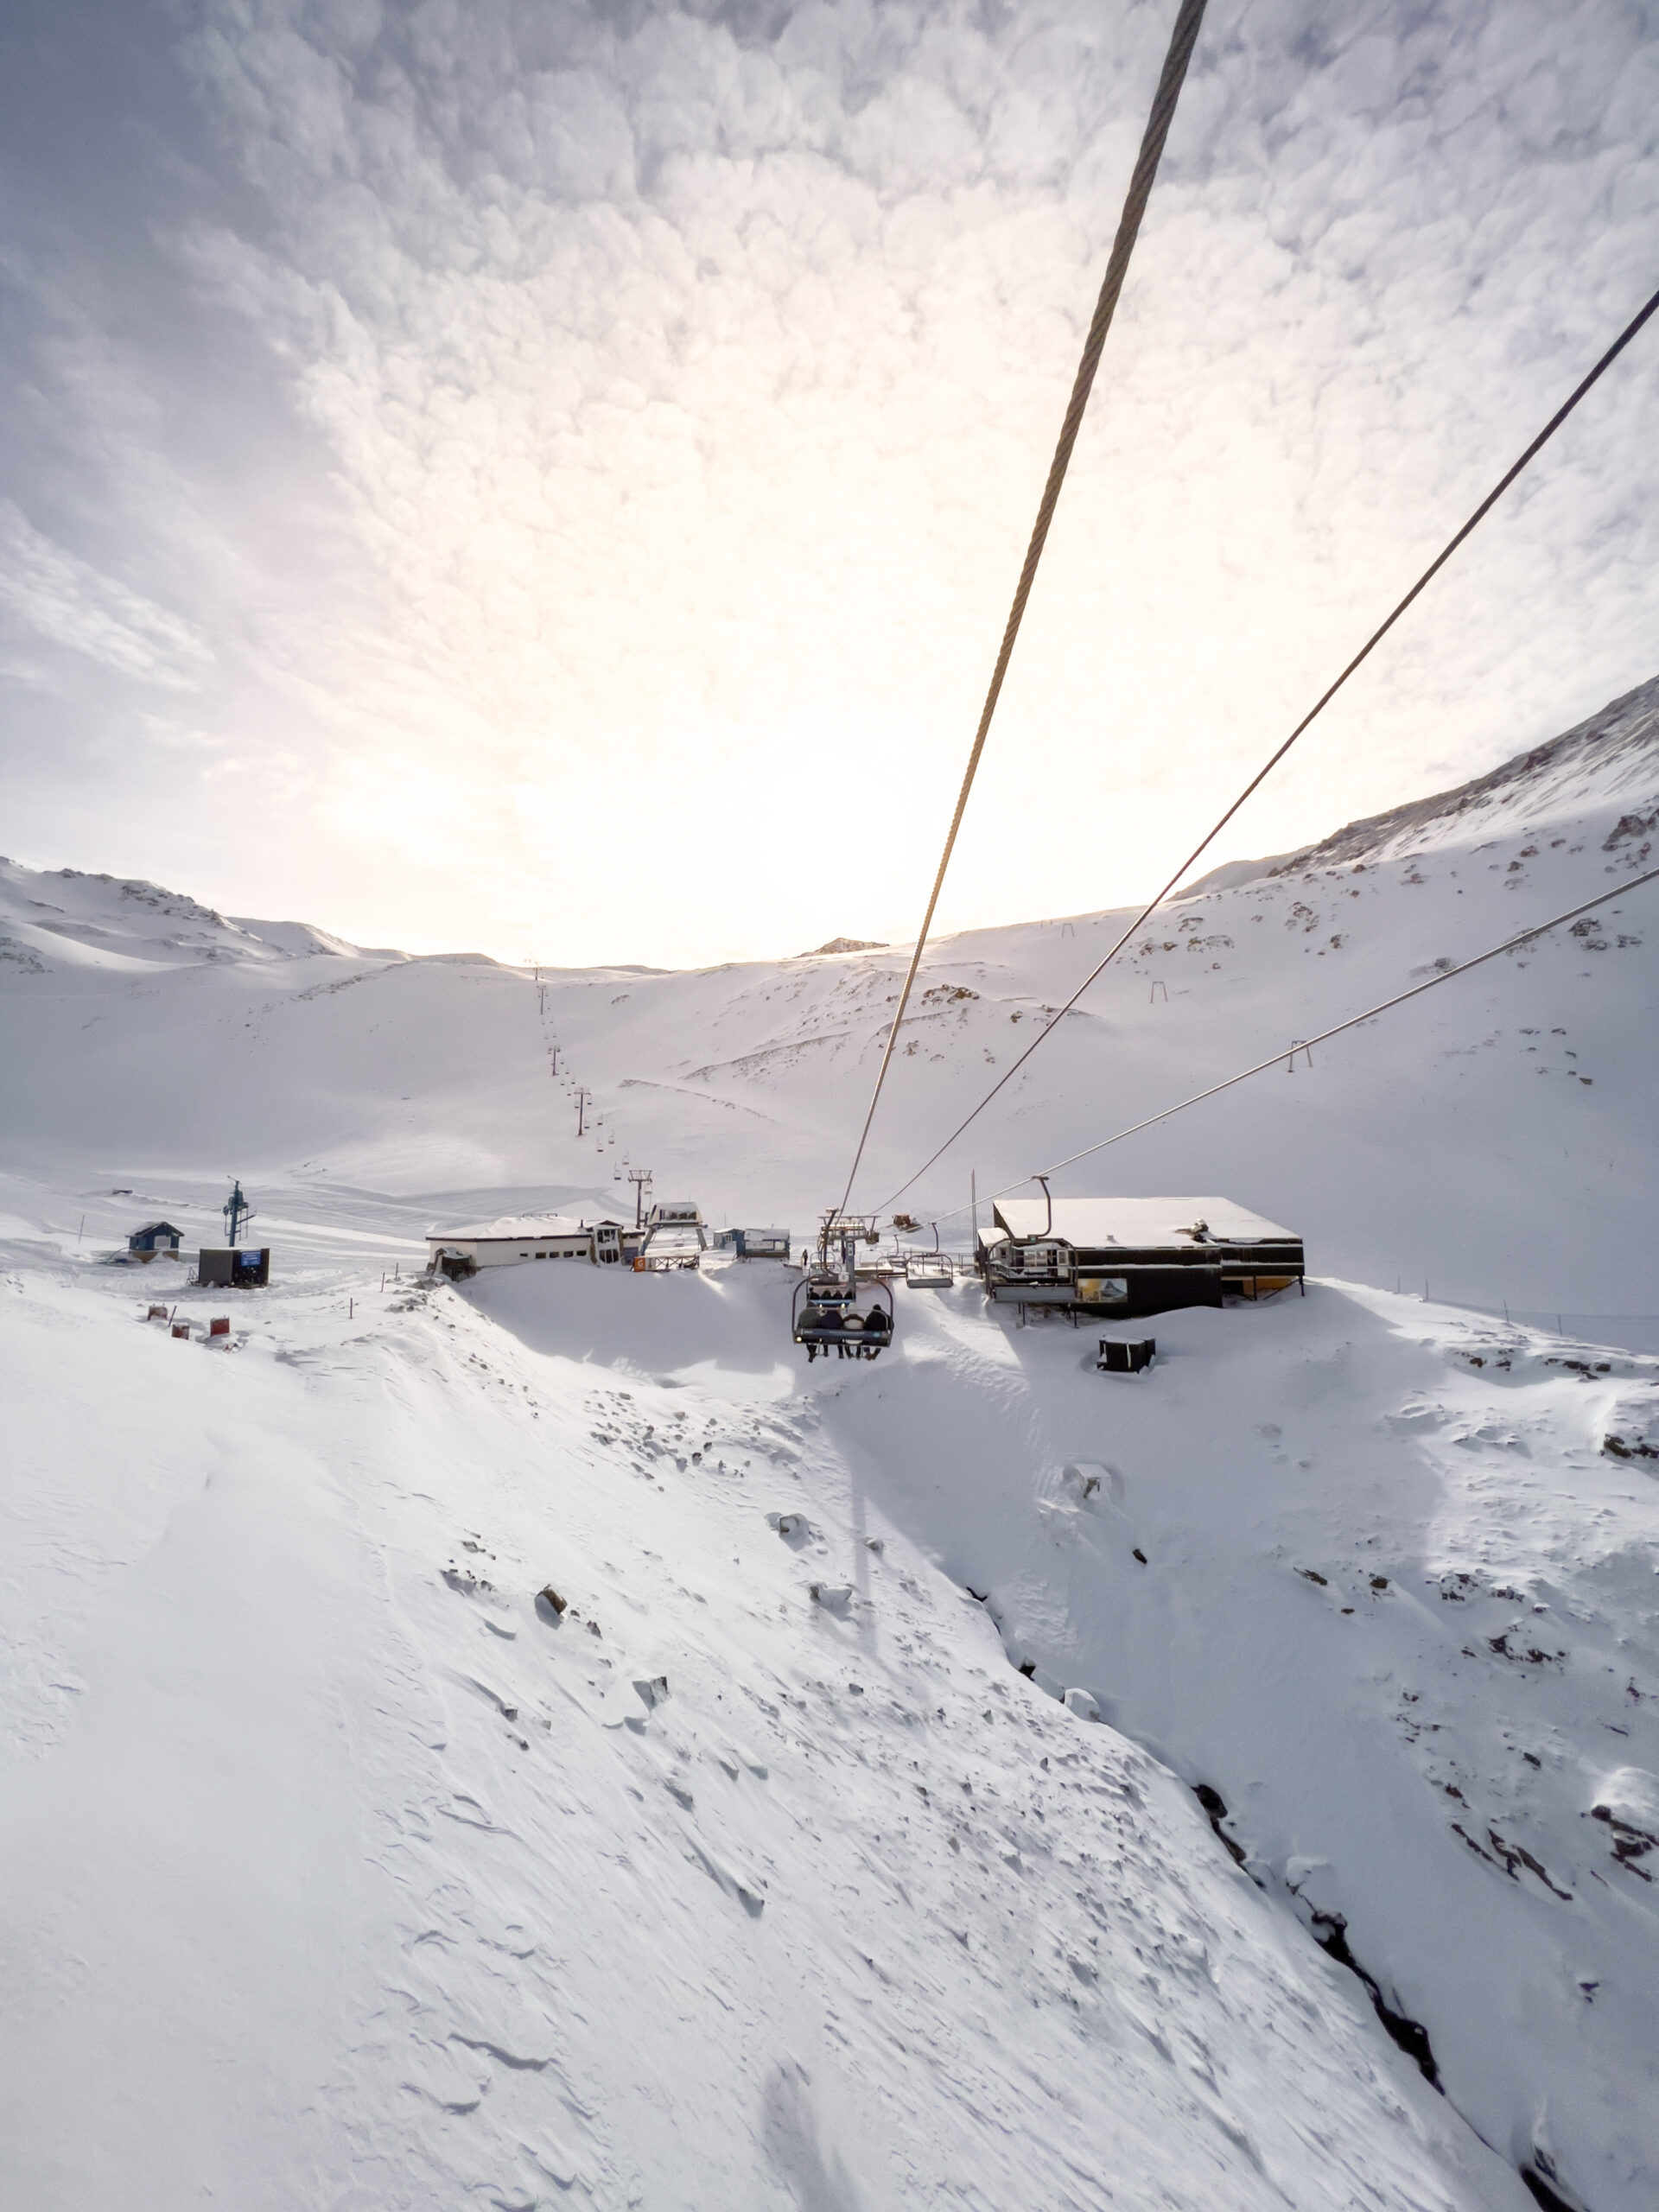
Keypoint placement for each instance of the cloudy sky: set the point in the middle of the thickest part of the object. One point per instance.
(548, 476)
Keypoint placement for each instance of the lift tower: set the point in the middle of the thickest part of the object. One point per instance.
(236, 1211)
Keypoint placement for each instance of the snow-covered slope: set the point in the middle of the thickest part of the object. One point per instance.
(1613, 754)
(1494, 1139)
(342, 1872)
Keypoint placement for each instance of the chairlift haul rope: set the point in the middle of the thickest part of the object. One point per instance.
(1306, 1044)
(1376, 637)
(1182, 40)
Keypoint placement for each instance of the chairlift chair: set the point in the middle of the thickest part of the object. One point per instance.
(930, 1271)
(824, 1310)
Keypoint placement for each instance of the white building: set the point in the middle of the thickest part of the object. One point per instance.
(505, 1242)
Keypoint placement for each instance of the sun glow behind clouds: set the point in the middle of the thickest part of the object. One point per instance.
(675, 391)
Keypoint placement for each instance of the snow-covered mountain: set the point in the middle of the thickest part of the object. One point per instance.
(1611, 754)
(965, 1779)
(1494, 1141)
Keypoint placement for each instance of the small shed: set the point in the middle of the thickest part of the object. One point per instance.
(155, 1236)
(1133, 1255)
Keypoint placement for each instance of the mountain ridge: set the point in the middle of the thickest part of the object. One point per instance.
(1614, 749)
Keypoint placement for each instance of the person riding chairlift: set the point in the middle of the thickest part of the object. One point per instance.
(815, 1318)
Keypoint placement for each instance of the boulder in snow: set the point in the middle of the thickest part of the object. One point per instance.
(1627, 1803)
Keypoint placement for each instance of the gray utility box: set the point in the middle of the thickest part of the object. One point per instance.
(1126, 1358)
(243, 1270)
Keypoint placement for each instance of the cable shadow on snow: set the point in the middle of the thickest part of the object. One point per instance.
(816, 2178)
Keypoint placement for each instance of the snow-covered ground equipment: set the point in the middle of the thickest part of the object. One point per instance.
(1120, 1356)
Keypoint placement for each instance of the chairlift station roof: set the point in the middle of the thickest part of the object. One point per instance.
(1139, 1225)
(519, 1228)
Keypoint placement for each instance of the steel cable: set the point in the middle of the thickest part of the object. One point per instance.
(1306, 1044)
(1182, 40)
(1325, 699)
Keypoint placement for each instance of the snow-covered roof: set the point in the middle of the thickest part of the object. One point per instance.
(1085, 1222)
(511, 1229)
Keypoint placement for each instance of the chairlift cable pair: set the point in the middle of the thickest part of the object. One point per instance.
(1183, 38)
(1375, 639)
(1306, 1044)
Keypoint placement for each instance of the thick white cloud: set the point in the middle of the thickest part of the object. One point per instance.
(685, 379)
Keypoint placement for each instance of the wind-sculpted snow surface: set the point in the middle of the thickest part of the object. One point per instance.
(1383, 1579)
(1612, 753)
(342, 1870)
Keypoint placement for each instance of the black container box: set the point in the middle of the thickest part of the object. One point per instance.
(1117, 1358)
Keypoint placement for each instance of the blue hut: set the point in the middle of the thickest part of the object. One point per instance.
(155, 1236)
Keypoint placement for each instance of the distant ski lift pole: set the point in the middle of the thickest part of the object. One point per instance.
(583, 1097)
(236, 1212)
(1297, 1044)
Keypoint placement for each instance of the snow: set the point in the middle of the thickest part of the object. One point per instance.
(1609, 754)
(963, 1778)
(510, 1229)
(1138, 1221)
(414, 1897)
